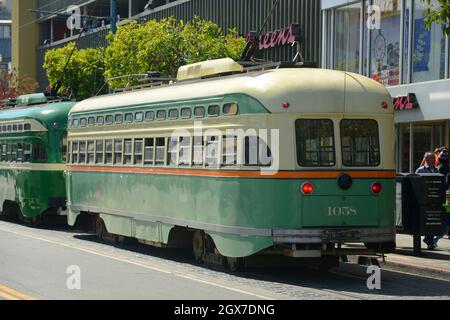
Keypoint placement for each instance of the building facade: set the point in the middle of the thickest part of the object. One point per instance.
(50, 20)
(5, 35)
(387, 40)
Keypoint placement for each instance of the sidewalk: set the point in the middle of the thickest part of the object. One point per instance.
(435, 263)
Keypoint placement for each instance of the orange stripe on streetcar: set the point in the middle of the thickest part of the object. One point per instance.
(241, 174)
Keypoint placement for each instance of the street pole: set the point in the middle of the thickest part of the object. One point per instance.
(113, 16)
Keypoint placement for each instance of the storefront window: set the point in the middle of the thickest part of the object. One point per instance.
(347, 38)
(428, 48)
(385, 51)
(406, 41)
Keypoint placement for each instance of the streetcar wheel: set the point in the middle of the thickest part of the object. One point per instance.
(234, 264)
(103, 234)
(99, 228)
(198, 245)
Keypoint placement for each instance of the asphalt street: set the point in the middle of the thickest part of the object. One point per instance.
(48, 263)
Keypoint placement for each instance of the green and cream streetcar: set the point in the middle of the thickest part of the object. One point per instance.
(33, 142)
(237, 162)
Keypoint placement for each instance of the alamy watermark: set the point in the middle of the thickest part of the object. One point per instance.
(229, 147)
(373, 17)
(374, 280)
(73, 281)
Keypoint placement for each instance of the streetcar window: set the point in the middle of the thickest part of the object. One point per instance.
(173, 114)
(109, 151)
(8, 153)
(149, 147)
(213, 111)
(74, 151)
(360, 143)
(20, 127)
(118, 147)
(4, 147)
(160, 151)
(184, 157)
(64, 147)
(10, 128)
(199, 112)
(19, 156)
(161, 115)
(198, 146)
(212, 150)
(75, 123)
(109, 119)
(230, 109)
(315, 142)
(118, 118)
(4, 128)
(91, 121)
(229, 151)
(90, 152)
(83, 122)
(257, 152)
(139, 116)
(128, 117)
(99, 152)
(186, 113)
(27, 153)
(128, 151)
(82, 156)
(39, 152)
(27, 127)
(13, 152)
(100, 120)
(172, 151)
(149, 115)
(15, 127)
(138, 145)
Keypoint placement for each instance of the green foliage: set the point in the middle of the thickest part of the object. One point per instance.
(136, 48)
(84, 73)
(166, 45)
(438, 12)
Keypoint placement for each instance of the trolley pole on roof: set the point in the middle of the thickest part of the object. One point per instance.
(113, 13)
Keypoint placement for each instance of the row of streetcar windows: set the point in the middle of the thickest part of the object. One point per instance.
(22, 152)
(170, 151)
(19, 127)
(183, 113)
(360, 144)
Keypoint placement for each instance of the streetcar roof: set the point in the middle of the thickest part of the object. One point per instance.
(307, 91)
(47, 114)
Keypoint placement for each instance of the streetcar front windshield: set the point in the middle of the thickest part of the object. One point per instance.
(360, 143)
(315, 142)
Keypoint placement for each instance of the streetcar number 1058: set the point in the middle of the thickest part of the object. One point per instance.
(342, 211)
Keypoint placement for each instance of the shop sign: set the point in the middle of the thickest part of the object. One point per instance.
(277, 38)
(407, 102)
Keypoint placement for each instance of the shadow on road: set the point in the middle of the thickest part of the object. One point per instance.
(349, 280)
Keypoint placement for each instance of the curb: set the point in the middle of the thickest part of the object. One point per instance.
(394, 264)
(402, 265)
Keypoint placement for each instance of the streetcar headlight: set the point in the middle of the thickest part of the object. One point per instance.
(307, 188)
(376, 188)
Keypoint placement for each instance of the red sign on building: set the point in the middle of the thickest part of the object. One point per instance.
(407, 102)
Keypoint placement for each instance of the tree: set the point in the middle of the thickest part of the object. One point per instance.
(438, 12)
(83, 76)
(12, 86)
(136, 48)
(166, 45)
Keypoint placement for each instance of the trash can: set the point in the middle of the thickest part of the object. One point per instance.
(420, 206)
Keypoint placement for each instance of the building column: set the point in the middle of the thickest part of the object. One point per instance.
(24, 39)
